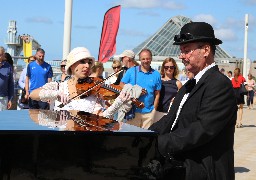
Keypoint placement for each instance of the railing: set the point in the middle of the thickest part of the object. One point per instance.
(54, 63)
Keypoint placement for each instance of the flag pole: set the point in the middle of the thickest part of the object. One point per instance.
(245, 47)
(67, 28)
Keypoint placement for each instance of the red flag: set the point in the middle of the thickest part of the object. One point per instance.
(108, 34)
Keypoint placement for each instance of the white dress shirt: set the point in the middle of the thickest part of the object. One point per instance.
(184, 99)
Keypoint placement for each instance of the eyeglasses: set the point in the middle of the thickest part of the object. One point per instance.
(184, 37)
(84, 61)
(171, 67)
(186, 52)
(116, 67)
(62, 66)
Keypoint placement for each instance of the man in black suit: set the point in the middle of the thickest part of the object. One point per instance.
(198, 131)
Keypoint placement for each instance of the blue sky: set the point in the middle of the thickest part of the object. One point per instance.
(44, 20)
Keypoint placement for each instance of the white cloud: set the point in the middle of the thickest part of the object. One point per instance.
(148, 13)
(238, 24)
(205, 18)
(139, 4)
(43, 20)
(225, 34)
(173, 5)
(249, 2)
(234, 23)
(252, 20)
(143, 4)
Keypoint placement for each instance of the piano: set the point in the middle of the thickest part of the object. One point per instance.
(71, 145)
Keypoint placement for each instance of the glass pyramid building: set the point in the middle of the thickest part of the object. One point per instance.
(161, 43)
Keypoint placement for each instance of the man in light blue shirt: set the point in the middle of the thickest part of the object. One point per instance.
(6, 82)
(149, 79)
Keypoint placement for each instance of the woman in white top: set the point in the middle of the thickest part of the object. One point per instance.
(23, 99)
(79, 63)
(24, 73)
(250, 85)
(63, 76)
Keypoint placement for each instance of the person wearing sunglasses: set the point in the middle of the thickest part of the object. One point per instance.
(78, 66)
(116, 66)
(170, 86)
(196, 137)
(63, 76)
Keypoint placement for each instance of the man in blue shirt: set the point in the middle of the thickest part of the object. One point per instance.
(6, 82)
(149, 79)
(38, 74)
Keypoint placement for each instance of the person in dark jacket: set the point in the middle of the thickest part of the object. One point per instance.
(198, 132)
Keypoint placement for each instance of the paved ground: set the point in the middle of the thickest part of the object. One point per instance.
(245, 147)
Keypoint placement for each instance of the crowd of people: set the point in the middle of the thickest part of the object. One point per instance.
(192, 114)
(130, 76)
(241, 98)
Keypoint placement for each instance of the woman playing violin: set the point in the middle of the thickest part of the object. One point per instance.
(79, 64)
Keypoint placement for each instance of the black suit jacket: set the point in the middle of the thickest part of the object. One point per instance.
(203, 136)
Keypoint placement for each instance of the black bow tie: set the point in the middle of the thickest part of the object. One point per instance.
(190, 85)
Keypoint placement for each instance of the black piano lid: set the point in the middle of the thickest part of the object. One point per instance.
(44, 121)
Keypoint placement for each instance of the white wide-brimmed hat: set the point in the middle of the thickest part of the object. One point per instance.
(76, 55)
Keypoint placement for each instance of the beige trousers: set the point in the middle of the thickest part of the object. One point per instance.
(158, 116)
(142, 120)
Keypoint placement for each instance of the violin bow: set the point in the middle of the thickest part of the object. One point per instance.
(91, 88)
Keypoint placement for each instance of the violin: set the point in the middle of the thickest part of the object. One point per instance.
(107, 92)
(96, 86)
(90, 87)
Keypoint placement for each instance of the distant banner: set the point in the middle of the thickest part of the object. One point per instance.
(27, 47)
(108, 34)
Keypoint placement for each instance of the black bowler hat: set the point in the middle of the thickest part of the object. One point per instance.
(196, 32)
